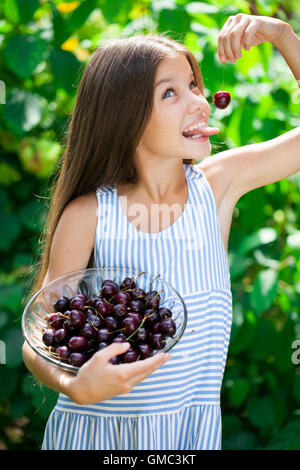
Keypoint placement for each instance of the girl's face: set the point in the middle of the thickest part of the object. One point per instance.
(178, 104)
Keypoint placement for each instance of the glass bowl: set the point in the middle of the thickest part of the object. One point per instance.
(89, 282)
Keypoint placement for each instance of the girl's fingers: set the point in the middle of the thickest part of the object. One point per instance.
(235, 38)
(249, 35)
(145, 366)
(232, 38)
(221, 38)
(137, 378)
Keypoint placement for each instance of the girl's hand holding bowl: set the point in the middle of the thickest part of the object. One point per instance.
(244, 31)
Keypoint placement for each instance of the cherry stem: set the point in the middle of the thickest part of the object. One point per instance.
(142, 322)
(223, 76)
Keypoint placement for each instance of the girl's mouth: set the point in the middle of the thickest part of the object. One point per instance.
(197, 137)
(200, 134)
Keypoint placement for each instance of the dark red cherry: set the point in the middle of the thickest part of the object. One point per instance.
(77, 359)
(49, 337)
(138, 293)
(141, 334)
(62, 304)
(108, 291)
(55, 320)
(77, 303)
(164, 312)
(130, 356)
(144, 349)
(77, 318)
(63, 351)
(104, 307)
(119, 339)
(136, 315)
(157, 340)
(128, 283)
(222, 99)
(167, 326)
(78, 343)
(152, 299)
(129, 325)
(102, 345)
(95, 321)
(104, 335)
(137, 306)
(88, 331)
(61, 336)
(122, 298)
(111, 323)
(115, 360)
(119, 311)
(151, 317)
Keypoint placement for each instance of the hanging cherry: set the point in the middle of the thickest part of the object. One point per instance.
(222, 98)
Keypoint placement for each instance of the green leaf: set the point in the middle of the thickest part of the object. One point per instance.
(11, 297)
(60, 29)
(8, 174)
(239, 391)
(9, 382)
(27, 9)
(200, 7)
(287, 438)
(23, 53)
(296, 388)
(11, 10)
(19, 407)
(175, 21)
(256, 239)
(262, 412)
(243, 337)
(64, 67)
(115, 12)
(13, 339)
(10, 230)
(282, 347)
(43, 399)
(244, 440)
(32, 215)
(3, 199)
(238, 264)
(79, 16)
(293, 240)
(264, 290)
(23, 111)
(262, 341)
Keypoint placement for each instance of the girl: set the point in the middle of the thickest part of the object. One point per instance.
(140, 119)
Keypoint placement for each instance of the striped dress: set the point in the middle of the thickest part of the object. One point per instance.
(177, 407)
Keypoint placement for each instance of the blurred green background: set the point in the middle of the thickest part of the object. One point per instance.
(44, 47)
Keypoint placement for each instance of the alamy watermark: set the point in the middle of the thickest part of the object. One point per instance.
(296, 94)
(146, 222)
(2, 352)
(296, 354)
(2, 92)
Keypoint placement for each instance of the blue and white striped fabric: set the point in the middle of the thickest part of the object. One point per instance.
(177, 407)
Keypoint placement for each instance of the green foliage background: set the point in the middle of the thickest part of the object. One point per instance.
(44, 46)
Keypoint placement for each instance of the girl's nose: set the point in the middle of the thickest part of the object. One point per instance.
(197, 103)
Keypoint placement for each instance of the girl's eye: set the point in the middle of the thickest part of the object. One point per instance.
(165, 95)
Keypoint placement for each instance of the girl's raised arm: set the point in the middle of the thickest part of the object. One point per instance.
(245, 31)
(256, 165)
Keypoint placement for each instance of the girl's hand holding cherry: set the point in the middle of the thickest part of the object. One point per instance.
(245, 31)
(242, 32)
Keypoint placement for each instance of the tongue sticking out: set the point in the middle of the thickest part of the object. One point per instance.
(205, 130)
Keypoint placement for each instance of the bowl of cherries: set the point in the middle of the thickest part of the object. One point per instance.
(72, 317)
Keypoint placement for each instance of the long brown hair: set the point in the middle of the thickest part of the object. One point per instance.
(112, 108)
